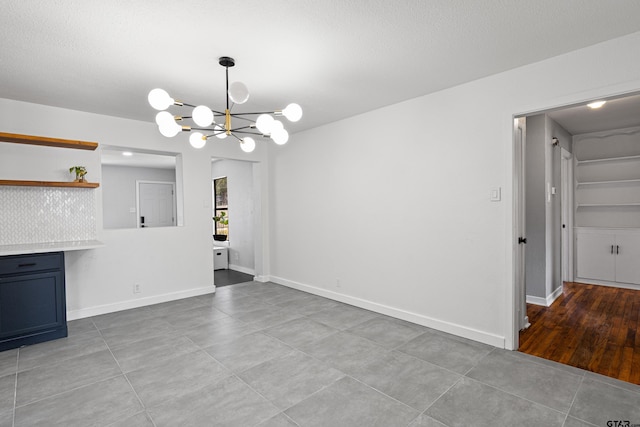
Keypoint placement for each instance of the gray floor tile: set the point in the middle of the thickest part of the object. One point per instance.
(47, 380)
(228, 403)
(612, 381)
(573, 422)
(177, 306)
(7, 392)
(176, 377)
(471, 403)
(387, 332)
(219, 331)
(350, 403)
(8, 362)
(121, 318)
(6, 419)
(550, 363)
(412, 381)
(598, 403)
(80, 326)
(426, 421)
(288, 379)
(266, 318)
(193, 317)
(343, 316)
(309, 306)
(152, 351)
(538, 383)
(279, 420)
(447, 351)
(140, 419)
(96, 404)
(62, 349)
(344, 351)
(236, 306)
(300, 331)
(247, 351)
(127, 334)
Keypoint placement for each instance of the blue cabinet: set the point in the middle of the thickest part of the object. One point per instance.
(32, 299)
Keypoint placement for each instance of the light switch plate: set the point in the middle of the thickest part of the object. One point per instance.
(496, 194)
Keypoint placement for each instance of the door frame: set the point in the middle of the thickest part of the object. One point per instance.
(567, 209)
(173, 207)
(512, 331)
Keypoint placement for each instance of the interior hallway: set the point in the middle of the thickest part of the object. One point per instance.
(590, 327)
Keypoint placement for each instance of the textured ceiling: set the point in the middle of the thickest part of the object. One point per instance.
(335, 58)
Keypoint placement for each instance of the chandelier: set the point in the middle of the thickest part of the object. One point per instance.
(209, 122)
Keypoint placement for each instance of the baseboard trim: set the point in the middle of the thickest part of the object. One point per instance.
(554, 296)
(537, 300)
(242, 269)
(545, 302)
(137, 303)
(452, 328)
(607, 283)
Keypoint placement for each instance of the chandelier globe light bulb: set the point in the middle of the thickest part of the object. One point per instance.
(238, 92)
(197, 140)
(264, 123)
(248, 144)
(170, 129)
(202, 115)
(293, 112)
(280, 136)
(164, 117)
(160, 99)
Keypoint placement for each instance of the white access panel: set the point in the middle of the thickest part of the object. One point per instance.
(595, 260)
(628, 258)
(220, 258)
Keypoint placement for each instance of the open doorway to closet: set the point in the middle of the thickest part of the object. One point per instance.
(234, 223)
(581, 222)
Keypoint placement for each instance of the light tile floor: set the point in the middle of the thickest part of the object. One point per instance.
(265, 355)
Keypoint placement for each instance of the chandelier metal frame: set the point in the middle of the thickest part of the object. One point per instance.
(204, 117)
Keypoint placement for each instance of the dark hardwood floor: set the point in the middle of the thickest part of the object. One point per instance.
(590, 327)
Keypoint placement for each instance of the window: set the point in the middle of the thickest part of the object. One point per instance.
(221, 206)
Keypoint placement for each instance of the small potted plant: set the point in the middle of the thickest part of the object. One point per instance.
(80, 172)
(224, 220)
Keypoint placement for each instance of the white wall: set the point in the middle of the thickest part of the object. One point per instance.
(119, 192)
(169, 262)
(448, 261)
(241, 222)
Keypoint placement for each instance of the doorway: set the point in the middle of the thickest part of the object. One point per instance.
(156, 204)
(565, 213)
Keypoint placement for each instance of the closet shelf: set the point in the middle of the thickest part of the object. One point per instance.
(597, 205)
(621, 181)
(610, 159)
(20, 183)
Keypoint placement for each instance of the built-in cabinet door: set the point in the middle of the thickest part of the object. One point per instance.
(596, 257)
(627, 258)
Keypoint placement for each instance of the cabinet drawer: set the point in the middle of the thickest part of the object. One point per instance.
(17, 264)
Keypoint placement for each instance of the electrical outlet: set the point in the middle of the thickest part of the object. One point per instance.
(237, 256)
(338, 284)
(137, 288)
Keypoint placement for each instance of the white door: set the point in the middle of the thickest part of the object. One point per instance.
(627, 264)
(596, 256)
(522, 320)
(566, 206)
(156, 204)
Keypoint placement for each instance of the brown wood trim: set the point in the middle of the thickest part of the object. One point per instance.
(20, 183)
(48, 142)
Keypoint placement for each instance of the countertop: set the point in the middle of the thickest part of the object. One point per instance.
(38, 248)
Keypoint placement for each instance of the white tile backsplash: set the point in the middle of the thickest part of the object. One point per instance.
(46, 214)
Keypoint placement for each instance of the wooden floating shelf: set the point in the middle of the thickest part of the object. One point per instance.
(610, 159)
(19, 183)
(47, 142)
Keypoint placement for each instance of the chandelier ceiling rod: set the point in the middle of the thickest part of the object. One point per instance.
(204, 117)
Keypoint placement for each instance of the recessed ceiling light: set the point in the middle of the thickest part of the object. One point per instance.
(596, 104)
(127, 153)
